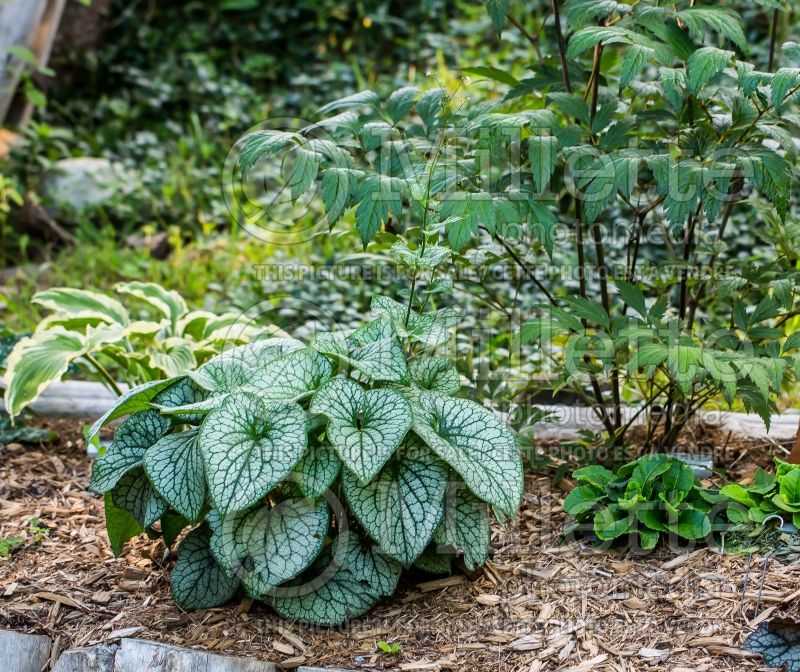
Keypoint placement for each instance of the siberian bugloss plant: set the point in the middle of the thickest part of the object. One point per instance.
(646, 157)
(311, 476)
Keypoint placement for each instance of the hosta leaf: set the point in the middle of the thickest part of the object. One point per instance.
(473, 441)
(82, 303)
(465, 526)
(135, 494)
(168, 302)
(317, 470)
(197, 581)
(435, 373)
(131, 441)
(37, 362)
(266, 546)
(249, 447)
(134, 400)
(290, 378)
(402, 506)
(348, 588)
(704, 64)
(429, 329)
(365, 427)
(175, 468)
(120, 525)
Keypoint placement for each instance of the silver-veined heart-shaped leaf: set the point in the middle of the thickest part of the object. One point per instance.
(348, 587)
(364, 426)
(135, 494)
(131, 441)
(265, 547)
(465, 526)
(249, 447)
(197, 581)
(473, 441)
(290, 378)
(317, 470)
(402, 507)
(435, 373)
(376, 352)
(136, 399)
(175, 468)
(183, 394)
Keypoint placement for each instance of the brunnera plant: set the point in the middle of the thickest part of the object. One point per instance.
(647, 156)
(312, 475)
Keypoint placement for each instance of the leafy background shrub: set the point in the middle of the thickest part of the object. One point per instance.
(307, 475)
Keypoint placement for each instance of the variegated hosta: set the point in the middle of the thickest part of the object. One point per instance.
(99, 332)
(311, 476)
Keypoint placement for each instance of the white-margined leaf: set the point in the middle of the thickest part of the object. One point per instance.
(249, 447)
(131, 441)
(197, 581)
(364, 426)
(175, 468)
(81, 303)
(402, 506)
(473, 441)
(168, 302)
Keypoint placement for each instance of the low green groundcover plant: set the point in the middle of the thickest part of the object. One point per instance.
(312, 476)
(644, 499)
(768, 495)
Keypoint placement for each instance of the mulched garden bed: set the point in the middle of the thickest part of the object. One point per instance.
(537, 606)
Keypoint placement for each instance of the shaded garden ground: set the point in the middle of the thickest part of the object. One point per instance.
(538, 605)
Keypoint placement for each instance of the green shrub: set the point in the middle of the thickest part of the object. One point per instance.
(645, 157)
(312, 475)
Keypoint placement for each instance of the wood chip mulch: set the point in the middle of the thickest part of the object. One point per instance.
(538, 606)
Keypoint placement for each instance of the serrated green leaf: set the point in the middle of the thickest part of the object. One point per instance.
(401, 101)
(197, 581)
(704, 64)
(261, 144)
(364, 426)
(783, 80)
(303, 172)
(474, 442)
(362, 98)
(543, 153)
(249, 447)
(402, 506)
(337, 184)
(721, 19)
(633, 62)
(126, 452)
(377, 198)
(135, 494)
(490, 72)
(174, 466)
(464, 528)
(498, 9)
(435, 373)
(633, 296)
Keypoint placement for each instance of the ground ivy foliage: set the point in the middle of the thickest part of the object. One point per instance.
(311, 476)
